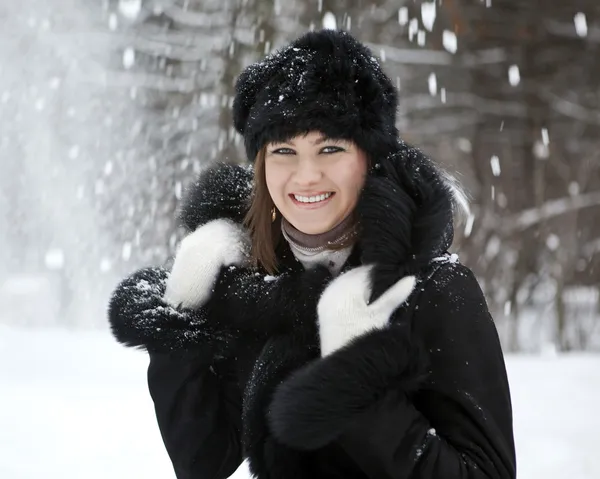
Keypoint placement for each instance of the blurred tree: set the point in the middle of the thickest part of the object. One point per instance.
(516, 111)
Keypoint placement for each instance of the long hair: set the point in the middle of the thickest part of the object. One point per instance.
(264, 232)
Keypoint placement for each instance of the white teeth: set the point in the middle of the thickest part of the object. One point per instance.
(312, 199)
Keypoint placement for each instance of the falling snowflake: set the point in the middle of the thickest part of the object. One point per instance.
(514, 76)
(581, 24)
(450, 41)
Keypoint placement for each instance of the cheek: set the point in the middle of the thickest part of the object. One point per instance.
(355, 176)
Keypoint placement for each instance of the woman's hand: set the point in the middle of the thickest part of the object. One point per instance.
(344, 312)
(199, 260)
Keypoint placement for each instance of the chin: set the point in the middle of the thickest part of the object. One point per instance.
(313, 228)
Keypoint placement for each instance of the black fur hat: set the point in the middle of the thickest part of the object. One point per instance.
(326, 81)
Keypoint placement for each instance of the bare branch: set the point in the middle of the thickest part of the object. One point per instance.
(484, 57)
(416, 103)
(563, 29)
(117, 79)
(571, 109)
(196, 19)
(412, 56)
(550, 209)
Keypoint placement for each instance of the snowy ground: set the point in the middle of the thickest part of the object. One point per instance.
(75, 406)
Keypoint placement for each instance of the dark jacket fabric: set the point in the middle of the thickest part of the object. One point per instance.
(242, 377)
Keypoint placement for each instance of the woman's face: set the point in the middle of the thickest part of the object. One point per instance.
(315, 182)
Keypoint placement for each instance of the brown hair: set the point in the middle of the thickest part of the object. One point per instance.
(265, 233)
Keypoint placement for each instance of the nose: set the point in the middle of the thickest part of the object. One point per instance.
(308, 172)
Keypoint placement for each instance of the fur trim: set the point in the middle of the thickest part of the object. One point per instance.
(221, 191)
(199, 260)
(268, 458)
(344, 312)
(406, 217)
(140, 318)
(319, 401)
(325, 81)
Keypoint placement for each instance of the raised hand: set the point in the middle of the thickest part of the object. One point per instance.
(199, 260)
(344, 312)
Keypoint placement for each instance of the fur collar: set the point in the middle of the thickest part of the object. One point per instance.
(405, 211)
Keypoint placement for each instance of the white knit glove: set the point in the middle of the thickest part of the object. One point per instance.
(199, 259)
(343, 310)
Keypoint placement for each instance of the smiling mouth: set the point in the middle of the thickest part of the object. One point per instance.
(311, 199)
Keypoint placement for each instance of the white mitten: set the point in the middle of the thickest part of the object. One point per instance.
(343, 310)
(243, 471)
(199, 259)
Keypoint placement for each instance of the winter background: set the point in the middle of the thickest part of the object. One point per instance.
(109, 108)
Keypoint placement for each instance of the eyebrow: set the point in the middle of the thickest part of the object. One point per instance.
(318, 141)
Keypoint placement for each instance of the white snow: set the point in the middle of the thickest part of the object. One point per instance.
(580, 24)
(128, 58)
(74, 152)
(329, 21)
(428, 14)
(545, 136)
(130, 8)
(413, 28)
(76, 405)
(552, 242)
(574, 188)
(113, 22)
(495, 164)
(126, 251)
(541, 150)
(54, 83)
(73, 406)
(432, 84)
(514, 75)
(450, 41)
(105, 265)
(54, 258)
(403, 15)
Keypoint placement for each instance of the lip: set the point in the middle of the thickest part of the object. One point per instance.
(311, 206)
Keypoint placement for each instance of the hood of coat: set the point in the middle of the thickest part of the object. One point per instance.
(405, 210)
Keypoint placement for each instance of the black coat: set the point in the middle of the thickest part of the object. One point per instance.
(426, 397)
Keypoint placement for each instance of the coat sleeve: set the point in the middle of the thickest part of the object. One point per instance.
(426, 401)
(198, 410)
(140, 318)
(242, 300)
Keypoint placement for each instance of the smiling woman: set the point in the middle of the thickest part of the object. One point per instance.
(313, 323)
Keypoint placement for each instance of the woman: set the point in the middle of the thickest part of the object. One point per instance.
(313, 322)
